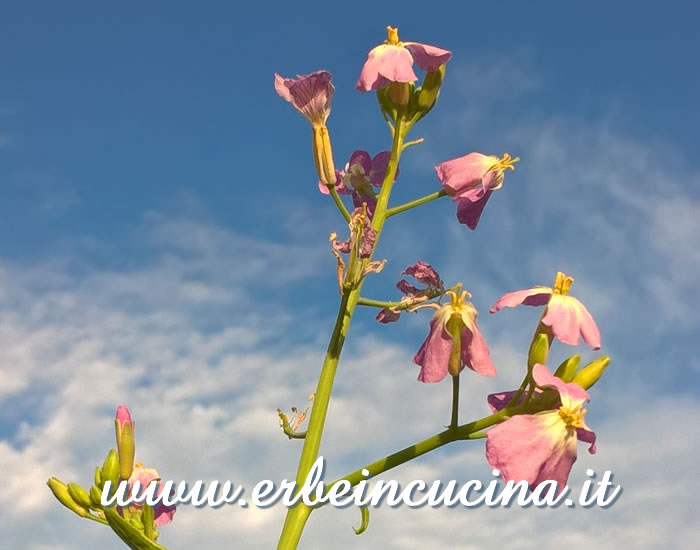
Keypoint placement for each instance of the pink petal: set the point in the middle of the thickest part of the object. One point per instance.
(379, 166)
(425, 273)
(123, 415)
(498, 401)
(475, 352)
(587, 436)
(570, 391)
(589, 329)
(163, 514)
(434, 354)
(407, 288)
(462, 173)
(386, 62)
(536, 296)
(428, 58)
(470, 206)
(339, 185)
(533, 448)
(387, 316)
(562, 317)
(309, 94)
(363, 159)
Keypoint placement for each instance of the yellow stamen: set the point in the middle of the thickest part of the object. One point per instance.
(505, 163)
(573, 416)
(392, 35)
(562, 284)
(458, 298)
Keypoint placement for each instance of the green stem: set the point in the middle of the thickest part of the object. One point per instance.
(412, 143)
(472, 430)
(296, 517)
(338, 202)
(455, 403)
(418, 202)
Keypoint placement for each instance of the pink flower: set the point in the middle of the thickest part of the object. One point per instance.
(310, 94)
(163, 514)
(565, 315)
(360, 175)
(424, 273)
(393, 62)
(438, 355)
(470, 180)
(542, 446)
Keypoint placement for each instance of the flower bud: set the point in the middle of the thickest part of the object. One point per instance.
(385, 105)
(539, 350)
(98, 477)
(95, 497)
(430, 90)
(110, 469)
(124, 427)
(323, 154)
(79, 495)
(592, 372)
(567, 370)
(60, 491)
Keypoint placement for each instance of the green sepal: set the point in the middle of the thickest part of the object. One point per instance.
(364, 510)
(567, 370)
(539, 350)
(132, 536)
(454, 326)
(386, 105)
(79, 495)
(147, 517)
(592, 372)
(429, 92)
(126, 448)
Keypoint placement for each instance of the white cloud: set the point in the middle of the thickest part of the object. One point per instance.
(204, 402)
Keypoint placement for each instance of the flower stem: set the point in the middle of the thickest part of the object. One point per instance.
(455, 403)
(296, 517)
(412, 204)
(472, 430)
(339, 202)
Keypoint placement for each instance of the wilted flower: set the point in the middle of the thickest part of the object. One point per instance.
(424, 273)
(567, 317)
(541, 446)
(311, 95)
(360, 175)
(393, 62)
(454, 341)
(471, 179)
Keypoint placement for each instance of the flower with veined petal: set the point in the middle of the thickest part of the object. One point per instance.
(565, 315)
(471, 179)
(541, 446)
(454, 341)
(393, 62)
(311, 95)
(360, 175)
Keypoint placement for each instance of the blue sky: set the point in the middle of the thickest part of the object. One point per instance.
(163, 244)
